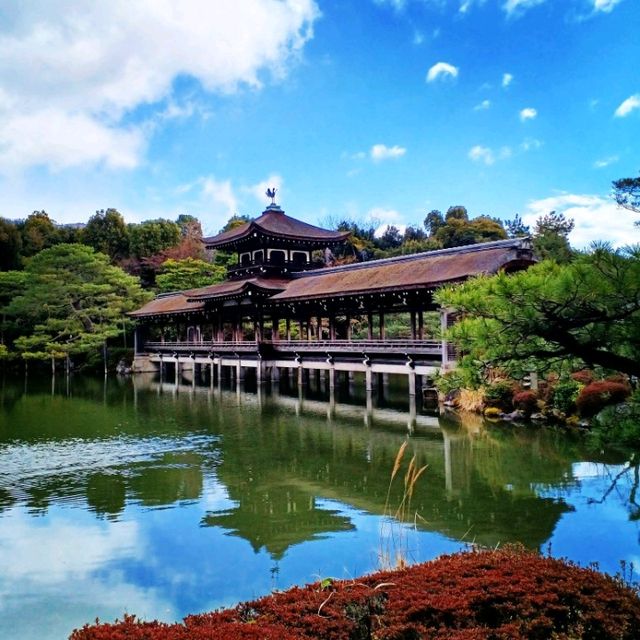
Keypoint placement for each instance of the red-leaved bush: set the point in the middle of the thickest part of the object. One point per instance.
(586, 376)
(525, 401)
(479, 595)
(597, 395)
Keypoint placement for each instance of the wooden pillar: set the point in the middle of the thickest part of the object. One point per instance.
(287, 324)
(275, 328)
(412, 382)
(413, 325)
(369, 325)
(348, 327)
(368, 379)
(382, 325)
(332, 327)
(301, 327)
(420, 325)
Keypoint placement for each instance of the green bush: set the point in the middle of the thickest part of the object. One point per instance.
(500, 394)
(565, 394)
(618, 425)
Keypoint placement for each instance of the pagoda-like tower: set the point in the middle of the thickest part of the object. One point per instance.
(273, 245)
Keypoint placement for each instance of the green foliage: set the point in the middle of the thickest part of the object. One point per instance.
(627, 193)
(38, 232)
(189, 273)
(455, 380)
(234, 222)
(71, 302)
(618, 425)
(551, 237)
(587, 310)
(10, 245)
(107, 232)
(152, 237)
(565, 393)
(516, 228)
(499, 394)
(458, 230)
(433, 222)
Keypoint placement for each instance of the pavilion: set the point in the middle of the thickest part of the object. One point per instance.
(282, 306)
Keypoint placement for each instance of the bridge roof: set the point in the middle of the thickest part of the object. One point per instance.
(235, 287)
(418, 271)
(167, 304)
(275, 223)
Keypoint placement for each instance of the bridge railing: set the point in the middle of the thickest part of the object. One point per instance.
(424, 347)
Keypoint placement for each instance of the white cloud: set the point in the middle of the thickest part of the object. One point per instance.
(487, 155)
(481, 154)
(517, 7)
(630, 104)
(380, 152)
(220, 192)
(529, 113)
(441, 70)
(384, 218)
(258, 190)
(507, 79)
(605, 6)
(484, 105)
(72, 74)
(605, 162)
(596, 218)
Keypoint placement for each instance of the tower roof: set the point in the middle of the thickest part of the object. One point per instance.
(274, 223)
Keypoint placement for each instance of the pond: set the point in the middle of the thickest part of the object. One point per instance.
(134, 496)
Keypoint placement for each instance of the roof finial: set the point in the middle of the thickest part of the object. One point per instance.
(271, 193)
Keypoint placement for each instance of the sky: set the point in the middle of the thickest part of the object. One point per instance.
(373, 110)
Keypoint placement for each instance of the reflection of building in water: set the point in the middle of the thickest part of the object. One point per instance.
(278, 517)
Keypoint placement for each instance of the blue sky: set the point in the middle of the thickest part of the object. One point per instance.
(369, 109)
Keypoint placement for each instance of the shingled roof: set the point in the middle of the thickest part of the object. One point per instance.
(169, 304)
(235, 287)
(275, 223)
(426, 270)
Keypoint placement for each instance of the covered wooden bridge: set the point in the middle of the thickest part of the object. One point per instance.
(281, 310)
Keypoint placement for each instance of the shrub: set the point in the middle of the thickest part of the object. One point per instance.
(471, 400)
(525, 401)
(564, 395)
(474, 595)
(492, 413)
(500, 394)
(618, 425)
(586, 376)
(597, 395)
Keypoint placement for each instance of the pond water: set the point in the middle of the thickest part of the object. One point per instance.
(132, 496)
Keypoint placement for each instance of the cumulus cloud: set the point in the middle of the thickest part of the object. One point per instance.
(529, 113)
(483, 106)
(83, 69)
(441, 70)
(596, 218)
(517, 7)
(630, 104)
(380, 152)
(384, 218)
(507, 79)
(606, 6)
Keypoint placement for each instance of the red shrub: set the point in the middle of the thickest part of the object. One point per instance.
(586, 376)
(597, 395)
(506, 594)
(526, 401)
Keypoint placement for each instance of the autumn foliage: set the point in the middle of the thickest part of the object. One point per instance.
(597, 395)
(505, 594)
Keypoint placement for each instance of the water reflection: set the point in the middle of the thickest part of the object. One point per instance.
(185, 497)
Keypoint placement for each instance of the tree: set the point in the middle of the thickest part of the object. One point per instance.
(106, 231)
(153, 236)
(235, 221)
(456, 212)
(38, 232)
(433, 222)
(516, 228)
(626, 191)
(189, 273)
(588, 309)
(391, 238)
(551, 237)
(72, 302)
(10, 245)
